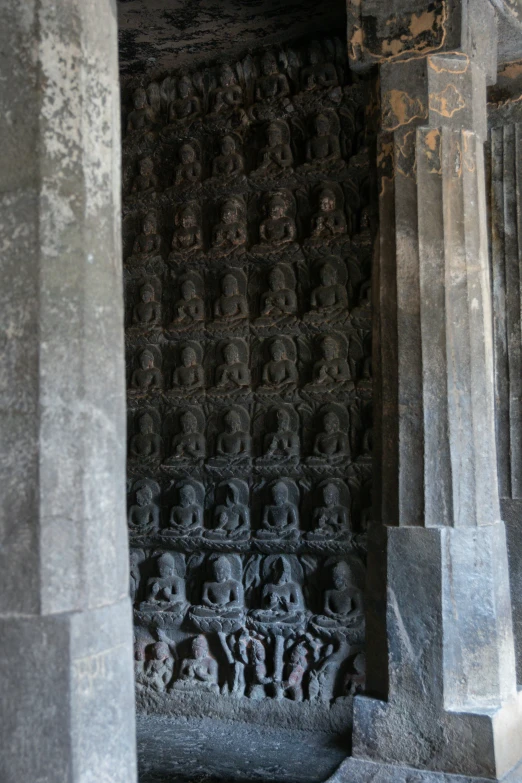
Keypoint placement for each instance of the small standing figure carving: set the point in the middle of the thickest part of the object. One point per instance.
(146, 377)
(229, 163)
(276, 157)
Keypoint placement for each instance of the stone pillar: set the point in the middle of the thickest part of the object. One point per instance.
(443, 698)
(66, 705)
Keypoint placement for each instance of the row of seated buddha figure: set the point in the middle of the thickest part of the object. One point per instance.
(222, 595)
(278, 373)
(233, 442)
(184, 102)
(228, 517)
(328, 300)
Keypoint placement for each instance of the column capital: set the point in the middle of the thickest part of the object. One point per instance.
(413, 29)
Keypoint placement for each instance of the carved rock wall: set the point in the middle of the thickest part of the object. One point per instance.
(247, 279)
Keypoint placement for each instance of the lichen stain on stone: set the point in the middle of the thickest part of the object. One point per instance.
(356, 43)
(433, 63)
(422, 22)
(406, 162)
(512, 70)
(448, 102)
(468, 151)
(432, 150)
(399, 109)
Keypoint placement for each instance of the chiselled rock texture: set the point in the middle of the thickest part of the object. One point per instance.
(67, 706)
(247, 274)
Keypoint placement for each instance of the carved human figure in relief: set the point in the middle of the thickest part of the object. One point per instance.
(233, 374)
(280, 372)
(188, 171)
(278, 228)
(199, 671)
(189, 443)
(144, 515)
(189, 374)
(186, 519)
(142, 117)
(318, 74)
(187, 105)
(330, 297)
(148, 243)
(146, 182)
(279, 301)
(145, 444)
(283, 444)
(147, 311)
(189, 309)
(343, 602)
(224, 594)
(276, 156)
(232, 517)
(271, 84)
(167, 589)
(230, 233)
(147, 377)
(332, 369)
(135, 558)
(158, 668)
(283, 597)
(295, 670)
(233, 444)
(328, 221)
(332, 443)
(324, 146)
(228, 95)
(229, 163)
(332, 518)
(281, 517)
(231, 305)
(188, 237)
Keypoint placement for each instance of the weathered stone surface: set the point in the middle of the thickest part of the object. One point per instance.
(66, 631)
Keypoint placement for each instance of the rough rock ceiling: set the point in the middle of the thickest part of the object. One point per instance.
(156, 35)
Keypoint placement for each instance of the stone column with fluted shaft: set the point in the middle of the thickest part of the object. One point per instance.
(442, 695)
(66, 682)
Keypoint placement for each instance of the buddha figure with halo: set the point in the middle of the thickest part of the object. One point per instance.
(271, 84)
(231, 518)
(230, 233)
(281, 517)
(278, 228)
(332, 444)
(144, 515)
(188, 171)
(166, 591)
(147, 311)
(200, 671)
(189, 443)
(188, 237)
(189, 309)
(280, 372)
(229, 163)
(146, 377)
(276, 157)
(186, 519)
(189, 375)
(330, 520)
(147, 245)
(231, 305)
(233, 374)
(145, 444)
(279, 301)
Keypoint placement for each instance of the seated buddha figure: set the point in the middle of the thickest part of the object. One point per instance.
(281, 599)
(231, 518)
(147, 377)
(145, 444)
(278, 228)
(223, 595)
(342, 603)
(157, 670)
(200, 671)
(276, 156)
(330, 520)
(233, 374)
(233, 444)
(331, 370)
(231, 305)
(229, 163)
(189, 443)
(324, 146)
(186, 519)
(318, 74)
(230, 233)
(281, 517)
(146, 312)
(188, 237)
(188, 171)
(280, 372)
(328, 221)
(142, 117)
(332, 444)
(186, 106)
(144, 516)
(271, 83)
(189, 375)
(283, 444)
(228, 95)
(166, 591)
(146, 182)
(279, 301)
(189, 309)
(148, 243)
(329, 298)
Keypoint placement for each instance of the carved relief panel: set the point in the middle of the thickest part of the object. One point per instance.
(247, 258)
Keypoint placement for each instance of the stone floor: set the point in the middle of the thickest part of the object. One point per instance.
(196, 750)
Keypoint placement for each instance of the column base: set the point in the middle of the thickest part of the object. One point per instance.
(359, 771)
(478, 745)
